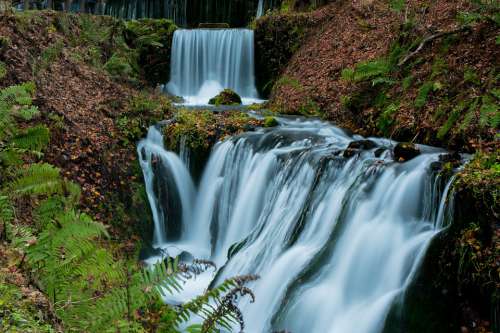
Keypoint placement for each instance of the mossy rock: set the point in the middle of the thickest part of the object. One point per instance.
(405, 151)
(270, 122)
(226, 97)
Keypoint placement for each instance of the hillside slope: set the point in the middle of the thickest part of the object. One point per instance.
(444, 94)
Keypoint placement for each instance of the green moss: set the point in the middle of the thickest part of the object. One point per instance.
(226, 97)
(141, 112)
(270, 122)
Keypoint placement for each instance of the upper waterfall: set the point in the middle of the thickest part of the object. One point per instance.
(337, 240)
(206, 61)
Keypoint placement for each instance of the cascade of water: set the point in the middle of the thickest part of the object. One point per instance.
(334, 239)
(153, 157)
(206, 61)
(260, 8)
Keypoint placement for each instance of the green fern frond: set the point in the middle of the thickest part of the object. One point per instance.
(217, 307)
(27, 113)
(6, 211)
(11, 156)
(489, 114)
(37, 179)
(368, 70)
(34, 138)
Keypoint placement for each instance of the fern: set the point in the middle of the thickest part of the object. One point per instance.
(37, 179)
(6, 215)
(217, 307)
(489, 115)
(424, 92)
(374, 69)
(34, 138)
(452, 119)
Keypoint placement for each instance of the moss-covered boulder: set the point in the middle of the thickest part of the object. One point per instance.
(152, 38)
(405, 151)
(199, 131)
(270, 122)
(226, 97)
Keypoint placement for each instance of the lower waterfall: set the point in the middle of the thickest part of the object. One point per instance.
(206, 61)
(336, 240)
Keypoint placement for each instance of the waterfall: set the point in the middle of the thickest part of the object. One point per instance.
(206, 61)
(260, 8)
(336, 240)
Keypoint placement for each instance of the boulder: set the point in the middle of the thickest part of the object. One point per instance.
(362, 144)
(379, 151)
(350, 152)
(226, 97)
(270, 122)
(405, 151)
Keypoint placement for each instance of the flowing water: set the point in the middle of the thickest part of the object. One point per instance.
(206, 61)
(336, 240)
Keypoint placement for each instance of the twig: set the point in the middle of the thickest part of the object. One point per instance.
(427, 40)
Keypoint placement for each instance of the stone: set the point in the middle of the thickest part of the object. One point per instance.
(405, 151)
(362, 144)
(226, 97)
(270, 122)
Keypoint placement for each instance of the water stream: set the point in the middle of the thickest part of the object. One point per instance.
(336, 240)
(206, 61)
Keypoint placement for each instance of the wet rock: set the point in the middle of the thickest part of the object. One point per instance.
(226, 97)
(185, 256)
(436, 166)
(362, 144)
(454, 159)
(350, 152)
(405, 151)
(379, 151)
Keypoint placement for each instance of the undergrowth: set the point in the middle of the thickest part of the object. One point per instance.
(92, 283)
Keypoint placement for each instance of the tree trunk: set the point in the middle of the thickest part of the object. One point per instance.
(82, 6)
(50, 4)
(26, 5)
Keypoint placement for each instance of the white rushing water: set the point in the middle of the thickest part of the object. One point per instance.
(206, 61)
(335, 240)
(260, 8)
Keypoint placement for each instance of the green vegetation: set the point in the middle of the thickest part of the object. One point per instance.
(90, 282)
(270, 122)
(226, 97)
(152, 40)
(141, 112)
